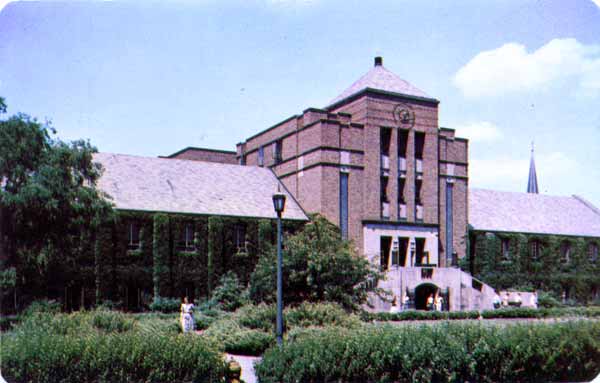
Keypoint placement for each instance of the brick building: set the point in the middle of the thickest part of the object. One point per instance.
(376, 163)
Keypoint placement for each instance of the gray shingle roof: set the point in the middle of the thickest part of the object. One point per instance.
(193, 187)
(382, 79)
(491, 210)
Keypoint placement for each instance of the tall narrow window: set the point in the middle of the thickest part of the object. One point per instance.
(239, 235)
(534, 249)
(385, 202)
(401, 187)
(385, 245)
(186, 238)
(386, 135)
(344, 205)
(419, 145)
(418, 187)
(505, 244)
(420, 248)
(403, 249)
(402, 144)
(277, 151)
(261, 156)
(593, 252)
(134, 236)
(565, 252)
(449, 223)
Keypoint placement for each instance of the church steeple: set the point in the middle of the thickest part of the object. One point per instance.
(532, 184)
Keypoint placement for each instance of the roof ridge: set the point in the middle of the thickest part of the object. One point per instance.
(182, 160)
(587, 204)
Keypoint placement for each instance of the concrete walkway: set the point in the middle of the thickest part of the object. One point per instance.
(247, 364)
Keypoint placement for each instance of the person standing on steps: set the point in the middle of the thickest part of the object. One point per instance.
(187, 316)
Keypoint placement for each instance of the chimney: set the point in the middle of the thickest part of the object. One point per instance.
(378, 61)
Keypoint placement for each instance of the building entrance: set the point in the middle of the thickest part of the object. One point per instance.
(421, 293)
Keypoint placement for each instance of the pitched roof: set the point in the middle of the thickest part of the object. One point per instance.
(192, 187)
(381, 79)
(491, 210)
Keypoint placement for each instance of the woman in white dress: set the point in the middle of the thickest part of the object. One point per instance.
(187, 316)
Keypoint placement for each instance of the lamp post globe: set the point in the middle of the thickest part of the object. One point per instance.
(279, 206)
(279, 203)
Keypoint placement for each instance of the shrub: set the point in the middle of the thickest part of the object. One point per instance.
(442, 353)
(229, 295)
(419, 315)
(319, 314)
(260, 316)
(111, 321)
(509, 312)
(317, 266)
(165, 305)
(43, 306)
(239, 340)
(547, 300)
(66, 348)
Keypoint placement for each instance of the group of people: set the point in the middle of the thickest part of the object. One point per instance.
(516, 300)
(435, 303)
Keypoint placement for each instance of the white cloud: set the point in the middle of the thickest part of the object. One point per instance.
(482, 131)
(3, 3)
(511, 68)
(597, 2)
(511, 173)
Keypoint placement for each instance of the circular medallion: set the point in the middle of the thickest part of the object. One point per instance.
(404, 116)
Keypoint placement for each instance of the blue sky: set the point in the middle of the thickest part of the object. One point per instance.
(150, 78)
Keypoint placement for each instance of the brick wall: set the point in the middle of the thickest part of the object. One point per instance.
(207, 155)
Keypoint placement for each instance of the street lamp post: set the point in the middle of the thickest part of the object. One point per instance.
(279, 205)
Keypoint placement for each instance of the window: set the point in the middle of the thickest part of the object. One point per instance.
(419, 145)
(421, 256)
(385, 202)
(534, 249)
(401, 185)
(402, 250)
(261, 156)
(385, 245)
(134, 236)
(386, 137)
(402, 143)
(593, 252)
(344, 205)
(239, 235)
(505, 248)
(186, 238)
(565, 252)
(277, 151)
(418, 187)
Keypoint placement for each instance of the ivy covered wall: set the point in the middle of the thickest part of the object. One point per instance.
(172, 255)
(567, 267)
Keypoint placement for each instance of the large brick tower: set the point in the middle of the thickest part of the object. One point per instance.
(376, 163)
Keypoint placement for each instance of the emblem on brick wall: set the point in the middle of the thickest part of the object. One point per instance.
(404, 116)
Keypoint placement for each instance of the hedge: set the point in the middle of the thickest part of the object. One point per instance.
(567, 351)
(513, 312)
(68, 348)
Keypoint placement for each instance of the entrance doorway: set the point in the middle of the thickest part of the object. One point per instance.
(421, 293)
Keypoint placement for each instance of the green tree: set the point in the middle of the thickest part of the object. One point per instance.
(48, 196)
(317, 266)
